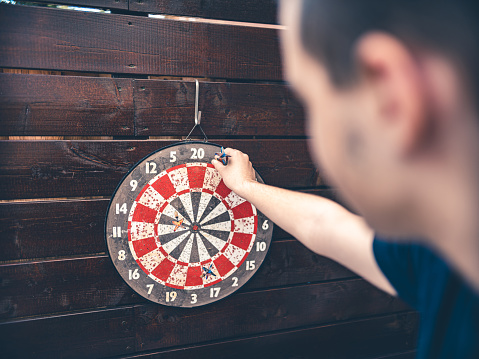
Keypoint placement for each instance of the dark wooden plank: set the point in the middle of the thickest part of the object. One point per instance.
(167, 108)
(42, 105)
(85, 335)
(263, 11)
(47, 169)
(47, 105)
(30, 230)
(365, 338)
(262, 311)
(159, 327)
(44, 38)
(55, 286)
(104, 4)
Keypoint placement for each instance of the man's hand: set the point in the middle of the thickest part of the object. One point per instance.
(239, 172)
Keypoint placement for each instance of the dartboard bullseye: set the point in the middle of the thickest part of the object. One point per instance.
(177, 235)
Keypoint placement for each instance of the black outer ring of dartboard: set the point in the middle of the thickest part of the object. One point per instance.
(105, 229)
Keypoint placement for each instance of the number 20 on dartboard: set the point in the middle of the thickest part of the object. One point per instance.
(177, 235)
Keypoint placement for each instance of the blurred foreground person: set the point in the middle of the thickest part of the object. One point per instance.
(391, 93)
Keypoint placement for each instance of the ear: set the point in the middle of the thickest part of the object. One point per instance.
(395, 77)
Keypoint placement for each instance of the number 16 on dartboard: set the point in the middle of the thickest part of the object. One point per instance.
(177, 235)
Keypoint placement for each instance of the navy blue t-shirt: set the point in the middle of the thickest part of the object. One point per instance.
(448, 307)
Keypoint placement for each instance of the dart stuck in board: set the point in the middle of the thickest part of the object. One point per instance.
(177, 235)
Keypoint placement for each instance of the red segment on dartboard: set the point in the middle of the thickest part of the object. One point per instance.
(164, 186)
(163, 270)
(144, 214)
(241, 240)
(223, 265)
(193, 277)
(196, 176)
(144, 246)
(222, 190)
(243, 210)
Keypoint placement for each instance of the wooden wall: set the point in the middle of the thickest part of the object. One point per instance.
(83, 97)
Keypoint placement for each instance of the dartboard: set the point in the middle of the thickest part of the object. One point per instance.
(178, 235)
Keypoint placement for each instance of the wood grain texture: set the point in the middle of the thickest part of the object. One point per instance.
(263, 11)
(157, 327)
(54, 286)
(105, 4)
(167, 108)
(365, 338)
(47, 169)
(42, 105)
(33, 230)
(94, 334)
(44, 38)
(261, 311)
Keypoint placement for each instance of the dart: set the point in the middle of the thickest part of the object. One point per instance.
(223, 156)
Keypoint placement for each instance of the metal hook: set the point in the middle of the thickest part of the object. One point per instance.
(197, 114)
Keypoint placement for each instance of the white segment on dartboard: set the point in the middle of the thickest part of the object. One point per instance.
(244, 225)
(178, 275)
(186, 200)
(219, 209)
(141, 230)
(179, 179)
(221, 226)
(202, 251)
(152, 199)
(171, 211)
(186, 254)
(212, 179)
(169, 228)
(171, 245)
(204, 200)
(234, 254)
(152, 259)
(217, 242)
(234, 200)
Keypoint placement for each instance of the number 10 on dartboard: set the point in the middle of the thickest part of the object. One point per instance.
(177, 235)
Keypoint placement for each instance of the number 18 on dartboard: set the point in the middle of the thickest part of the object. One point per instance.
(177, 235)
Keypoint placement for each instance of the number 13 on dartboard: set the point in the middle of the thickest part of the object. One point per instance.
(177, 235)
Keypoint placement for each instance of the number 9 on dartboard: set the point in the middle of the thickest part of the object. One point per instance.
(177, 235)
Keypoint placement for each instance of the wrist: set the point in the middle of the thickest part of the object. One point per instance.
(247, 189)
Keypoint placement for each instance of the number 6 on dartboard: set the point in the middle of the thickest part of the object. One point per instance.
(173, 222)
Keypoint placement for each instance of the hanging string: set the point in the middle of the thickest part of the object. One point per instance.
(197, 115)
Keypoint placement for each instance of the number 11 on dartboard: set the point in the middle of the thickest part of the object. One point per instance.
(177, 235)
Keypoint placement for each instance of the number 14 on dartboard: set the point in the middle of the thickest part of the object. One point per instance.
(177, 235)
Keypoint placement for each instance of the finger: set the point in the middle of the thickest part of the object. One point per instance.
(231, 151)
(218, 165)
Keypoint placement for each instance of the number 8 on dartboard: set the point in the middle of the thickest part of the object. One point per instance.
(177, 235)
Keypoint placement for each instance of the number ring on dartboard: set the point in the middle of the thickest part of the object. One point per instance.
(189, 239)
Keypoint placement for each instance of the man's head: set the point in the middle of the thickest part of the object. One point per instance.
(389, 88)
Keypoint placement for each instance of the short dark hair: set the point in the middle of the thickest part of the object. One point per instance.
(330, 28)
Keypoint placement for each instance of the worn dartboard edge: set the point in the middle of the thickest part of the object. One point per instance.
(220, 230)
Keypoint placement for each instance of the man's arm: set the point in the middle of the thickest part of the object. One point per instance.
(322, 225)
